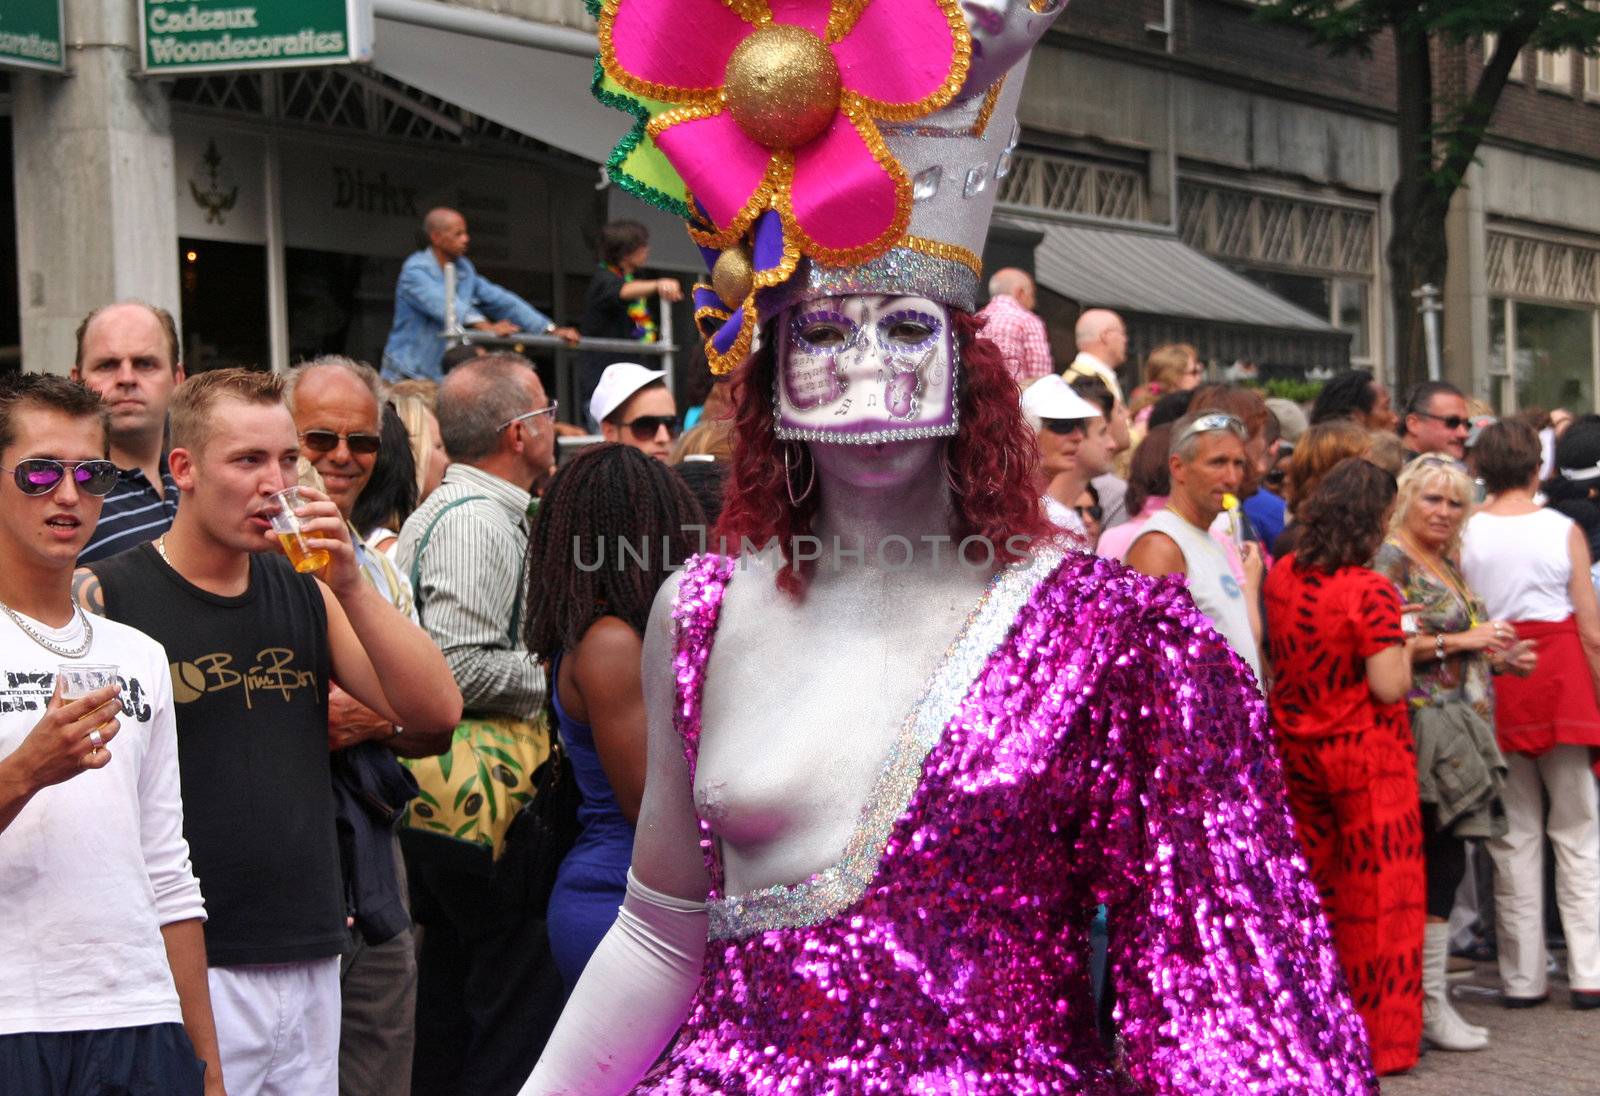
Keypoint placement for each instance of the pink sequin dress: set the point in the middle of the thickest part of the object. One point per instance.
(1087, 738)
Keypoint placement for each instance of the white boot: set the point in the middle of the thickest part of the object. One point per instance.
(1442, 1025)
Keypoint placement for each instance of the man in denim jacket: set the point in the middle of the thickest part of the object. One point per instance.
(415, 346)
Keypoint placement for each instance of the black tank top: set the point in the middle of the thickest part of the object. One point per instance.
(250, 677)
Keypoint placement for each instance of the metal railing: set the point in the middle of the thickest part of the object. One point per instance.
(566, 383)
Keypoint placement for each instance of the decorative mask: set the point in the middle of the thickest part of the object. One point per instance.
(864, 369)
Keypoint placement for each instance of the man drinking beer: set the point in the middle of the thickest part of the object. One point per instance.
(253, 646)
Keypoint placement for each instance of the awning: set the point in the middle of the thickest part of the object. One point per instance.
(1152, 271)
(530, 77)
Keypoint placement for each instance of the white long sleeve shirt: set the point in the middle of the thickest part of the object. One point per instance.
(93, 867)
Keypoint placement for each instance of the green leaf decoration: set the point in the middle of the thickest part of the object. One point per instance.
(465, 790)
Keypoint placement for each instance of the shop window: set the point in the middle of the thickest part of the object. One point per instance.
(1555, 360)
(224, 304)
(339, 303)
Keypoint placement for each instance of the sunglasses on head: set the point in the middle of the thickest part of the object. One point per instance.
(1063, 426)
(326, 441)
(1450, 422)
(645, 427)
(41, 475)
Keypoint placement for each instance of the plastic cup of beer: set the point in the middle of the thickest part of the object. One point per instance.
(286, 523)
(79, 679)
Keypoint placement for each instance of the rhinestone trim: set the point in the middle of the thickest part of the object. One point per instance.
(836, 888)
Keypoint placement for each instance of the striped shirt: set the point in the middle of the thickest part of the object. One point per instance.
(132, 514)
(466, 584)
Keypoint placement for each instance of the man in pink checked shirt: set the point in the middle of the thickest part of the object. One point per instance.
(1010, 323)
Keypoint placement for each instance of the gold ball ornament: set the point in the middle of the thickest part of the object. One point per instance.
(733, 277)
(782, 86)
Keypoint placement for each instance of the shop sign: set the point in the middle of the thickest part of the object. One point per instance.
(210, 35)
(30, 35)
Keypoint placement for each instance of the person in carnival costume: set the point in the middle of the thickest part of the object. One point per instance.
(897, 758)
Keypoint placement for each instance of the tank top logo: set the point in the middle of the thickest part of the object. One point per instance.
(1230, 586)
(273, 673)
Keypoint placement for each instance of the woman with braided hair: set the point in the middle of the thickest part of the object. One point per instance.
(610, 528)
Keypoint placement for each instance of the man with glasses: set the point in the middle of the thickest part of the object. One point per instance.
(1207, 463)
(128, 354)
(632, 406)
(100, 915)
(336, 403)
(480, 970)
(1436, 421)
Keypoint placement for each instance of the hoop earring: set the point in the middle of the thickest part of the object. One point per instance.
(788, 477)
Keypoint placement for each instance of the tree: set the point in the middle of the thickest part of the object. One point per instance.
(1438, 136)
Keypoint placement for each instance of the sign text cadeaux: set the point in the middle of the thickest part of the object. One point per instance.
(201, 35)
(30, 35)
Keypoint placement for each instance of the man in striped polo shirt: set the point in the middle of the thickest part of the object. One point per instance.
(128, 353)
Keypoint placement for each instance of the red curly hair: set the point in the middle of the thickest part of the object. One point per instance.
(990, 462)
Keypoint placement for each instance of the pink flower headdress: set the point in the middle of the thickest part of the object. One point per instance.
(773, 115)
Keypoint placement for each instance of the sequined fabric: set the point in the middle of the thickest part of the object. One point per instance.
(1109, 748)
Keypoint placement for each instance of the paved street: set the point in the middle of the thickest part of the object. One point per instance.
(1546, 1051)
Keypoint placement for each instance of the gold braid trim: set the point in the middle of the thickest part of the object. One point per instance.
(949, 252)
(990, 100)
(852, 256)
(842, 18)
(960, 63)
(754, 12)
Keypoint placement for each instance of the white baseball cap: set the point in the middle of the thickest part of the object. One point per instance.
(1051, 397)
(620, 381)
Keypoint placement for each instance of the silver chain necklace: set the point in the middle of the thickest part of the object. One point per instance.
(48, 644)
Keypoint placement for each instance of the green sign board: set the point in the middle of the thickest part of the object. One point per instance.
(30, 35)
(209, 35)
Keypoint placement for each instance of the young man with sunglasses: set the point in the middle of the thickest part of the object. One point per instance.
(100, 915)
(1207, 463)
(632, 406)
(128, 353)
(1436, 421)
(254, 646)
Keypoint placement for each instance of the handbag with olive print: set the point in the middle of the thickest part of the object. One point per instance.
(473, 790)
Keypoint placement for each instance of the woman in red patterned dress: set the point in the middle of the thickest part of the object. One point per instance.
(1338, 703)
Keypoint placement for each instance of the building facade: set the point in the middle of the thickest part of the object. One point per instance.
(1244, 171)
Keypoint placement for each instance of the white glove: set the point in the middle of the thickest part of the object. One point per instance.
(633, 997)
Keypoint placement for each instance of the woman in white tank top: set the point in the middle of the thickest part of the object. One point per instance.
(1531, 566)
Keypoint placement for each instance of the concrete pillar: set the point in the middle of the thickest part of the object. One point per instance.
(96, 207)
(1466, 290)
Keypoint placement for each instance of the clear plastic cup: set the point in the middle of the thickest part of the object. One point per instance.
(286, 524)
(79, 679)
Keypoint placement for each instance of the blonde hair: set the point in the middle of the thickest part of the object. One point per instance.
(709, 439)
(194, 400)
(1428, 469)
(1164, 369)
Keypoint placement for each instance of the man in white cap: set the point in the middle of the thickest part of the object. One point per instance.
(632, 405)
(1061, 418)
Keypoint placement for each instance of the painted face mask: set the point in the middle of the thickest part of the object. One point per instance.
(866, 369)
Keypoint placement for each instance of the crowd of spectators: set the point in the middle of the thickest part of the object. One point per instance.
(1428, 640)
(1413, 592)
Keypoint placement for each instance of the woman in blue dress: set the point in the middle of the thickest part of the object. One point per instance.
(612, 525)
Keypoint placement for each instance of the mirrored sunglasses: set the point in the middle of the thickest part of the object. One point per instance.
(41, 475)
